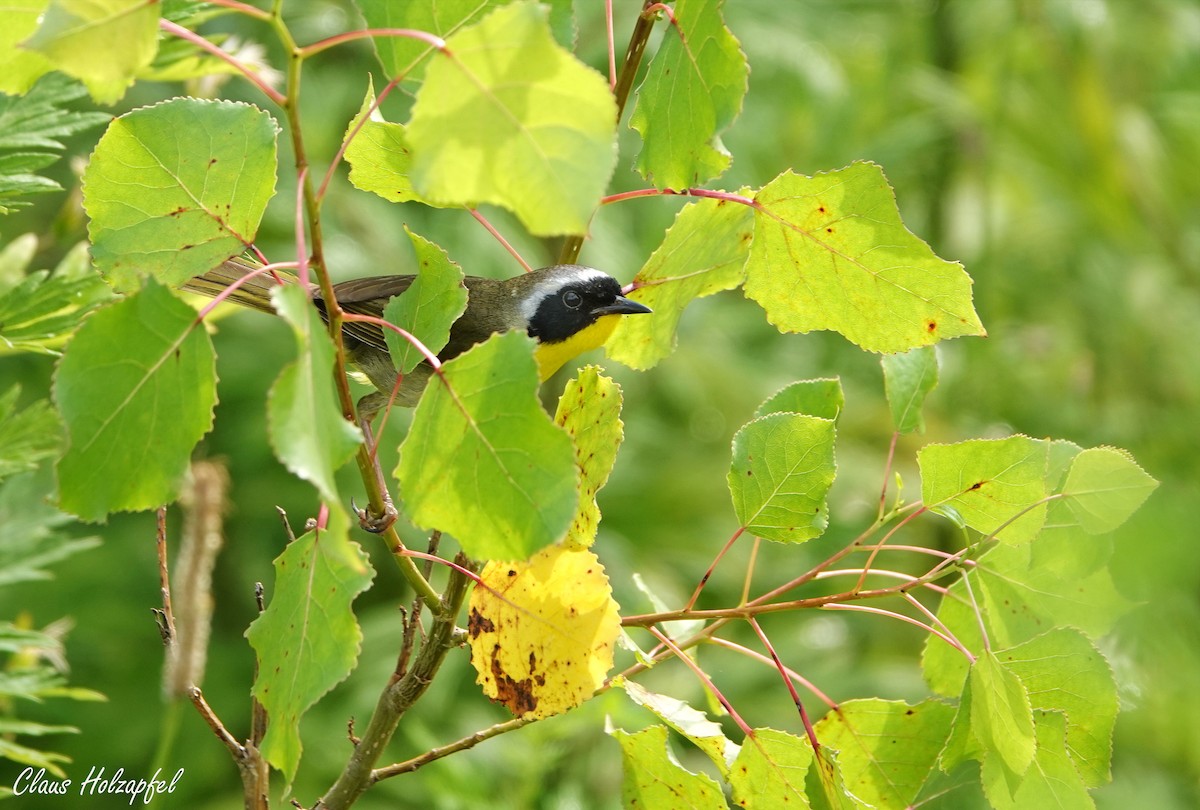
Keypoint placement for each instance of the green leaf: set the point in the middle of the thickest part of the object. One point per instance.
(508, 117)
(26, 437)
(31, 132)
(405, 56)
(830, 252)
(887, 749)
(961, 745)
(945, 668)
(44, 307)
(307, 639)
(1065, 673)
(823, 398)
(907, 379)
(691, 723)
(308, 431)
(1001, 716)
(428, 308)
(103, 43)
(1024, 596)
(1104, 487)
(781, 472)
(703, 253)
(770, 771)
(995, 485)
(20, 68)
(29, 537)
(483, 461)
(379, 155)
(654, 779)
(136, 389)
(175, 189)
(589, 410)
(1022, 591)
(692, 91)
(1050, 781)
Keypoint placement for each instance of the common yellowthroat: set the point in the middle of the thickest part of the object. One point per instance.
(567, 308)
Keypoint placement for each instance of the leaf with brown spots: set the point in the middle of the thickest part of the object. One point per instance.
(831, 252)
(542, 632)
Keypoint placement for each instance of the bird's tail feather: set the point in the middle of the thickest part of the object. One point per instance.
(254, 292)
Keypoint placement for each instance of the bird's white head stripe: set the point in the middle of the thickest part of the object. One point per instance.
(553, 283)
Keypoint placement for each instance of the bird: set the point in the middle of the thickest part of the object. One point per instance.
(567, 308)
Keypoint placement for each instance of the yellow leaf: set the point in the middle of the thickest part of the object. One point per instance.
(590, 411)
(542, 631)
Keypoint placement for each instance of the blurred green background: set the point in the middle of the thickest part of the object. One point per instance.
(1049, 145)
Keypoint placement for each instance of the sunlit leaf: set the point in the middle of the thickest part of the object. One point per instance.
(428, 308)
(1065, 673)
(653, 778)
(80, 38)
(589, 410)
(823, 398)
(703, 253)
(1051, 779)
(1001, 716)
(175, 189)
(691, 723)
(542, 632)
(307, 640)
(483, 461)
(770, 771)
(1104, 487)
(782, 470)
(908, 378)
(136, 389)
(308, 431)
(995, 485)
(20, 68)
(379, 155)
(886, 749)
(830, 252)
(692, 91)
(509, 117)
(407, 56)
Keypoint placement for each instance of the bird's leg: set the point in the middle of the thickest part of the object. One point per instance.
(375, 523)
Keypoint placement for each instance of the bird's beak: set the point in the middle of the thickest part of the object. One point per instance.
(622, 306)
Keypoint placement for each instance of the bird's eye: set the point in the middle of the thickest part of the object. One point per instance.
(572, 299)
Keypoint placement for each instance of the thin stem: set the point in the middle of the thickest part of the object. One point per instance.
(704, 679)
(194, 38)
(875, 551)
(983, 633)
(796, 676)
(622, 86)
(750, 571)
(482, 220)
(808, 727)
(433, 40)
(704, 579)
(337, 158)
(243, 8)
(612, 44)
(398, 697)
(887, 473)
(953, 642)
(433, 754)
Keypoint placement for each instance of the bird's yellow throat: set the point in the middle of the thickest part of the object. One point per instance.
(551, 356)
